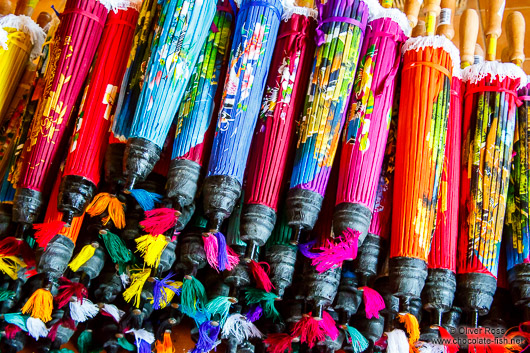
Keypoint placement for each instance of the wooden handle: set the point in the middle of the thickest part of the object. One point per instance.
(505, 55)
(386, 3)
(412, 10)
(515, 30)
(6, 7)
(305, 3)
(469, 23)
(22, 8)
(419, 30)
(43, 19)
(493, 30)
(432, 10)
(447, 14)
(479, 54)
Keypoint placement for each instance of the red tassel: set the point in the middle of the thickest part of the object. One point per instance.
(70, 289)
(260, 275)
(373, 302)
(233, 259)
(309, 330)
(336, 252)
(329, 326)
(46, 231)
(159, 220)
(446, 337)
(480, 346)
(9, 246)
(11, 330)
(211, 249)
(278, 343)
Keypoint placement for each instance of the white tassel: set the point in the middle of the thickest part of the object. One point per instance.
(115, 5)
(426, 347)
(435, 42)
(27, 25)
(125, 280)
(395, 15)
(237, 326)
(81, 312)
(495, 71)
(142, 334)
(397, 342)
(36, 328)
(113, 311)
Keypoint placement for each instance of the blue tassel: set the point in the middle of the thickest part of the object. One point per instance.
(17, 319)
(207, 341)
(254, 312)
(305, 249)
(146, 199)
(222, 256)
(358, 342)
(144, 347)
(219, 308)
(159, 294)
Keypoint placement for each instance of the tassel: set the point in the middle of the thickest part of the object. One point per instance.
(193, 295)
(166, 346)
(226, 258)
(413, 328)
(144, 347)
(112, 311)
(397, 342)
(426, 347)
(329, 326)
(40, 304)
(123, 343)
(260, 275)
(84, 342)
(481, 346)
(69, 289)
(82, 311)
(208, 333)
(142, 335)
(116, 248)
(10, 265)
(84, 255)
(159, 220)
(373, 302)
(237, 326)
(335, 253)
(305, 249)
(279, 343)
(211, 250)
(46, 231)
(9, 246)
(164, 290)
(446, 337)
(265, 299)
(309, 330)
(36, 328)
(68, 323)
(233, 258)
(151, 248)
(146, 199)
(11, 331)
(125, 279)
(16, 319)
(220, 307)
(106, 202)
(358, 342)
(6, 295)
(254, 313)
(135, 289)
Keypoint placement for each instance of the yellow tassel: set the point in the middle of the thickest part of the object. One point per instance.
(170, 294)
(103, 202)
(137, 284)
(413, 329)
(40, 304)
(10, 265)
(166, 346)
(84, 255)
(151, 247)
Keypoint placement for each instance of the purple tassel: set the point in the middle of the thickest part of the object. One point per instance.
(254, 312)
(222, 255)
(207, 337)
(305, 249)
(159, 295)
(144, 347)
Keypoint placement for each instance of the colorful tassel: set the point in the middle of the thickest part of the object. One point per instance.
(219, 308)
(123, 343)
(11, 331)
(397, 342)
(69, 289)
(260, 275)
(344, 248)
(358, 342)
(135, 289)
(82, 311)
(36, 328)
(66, 322)
(83, 256)
(329, 326)
(143, 340)
(106, 202)
(116, 248)
(226, 257)
(40, 304)
(211, 249)
(151, 248)
(279, 343)
(373, 302)
(237, 326)
(16, 319)
(265, 299)
(84, 342)
(254, 313)
(112, 311)
(208, 333)
(166, 346)
(164, 290)
(305, 249)
(193, 295)
(9, 246)
(412, 327)
(446, 337)
(427, 347)
(44, 232)
(146, 199)
(159, 220)
(309, 330)
(10, 265)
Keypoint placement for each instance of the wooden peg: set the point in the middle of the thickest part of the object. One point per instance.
(43, 19)
(419, 30)
(493, 30)
(412, 10)
(6, 7)
(432, 10)
(515, 31)
(447, 14)
(505, 55)
(468, 36)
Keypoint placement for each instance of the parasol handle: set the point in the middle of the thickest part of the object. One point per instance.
(386, 3)
(468, 36)
(505, 55)
(23, 8)
(447, 14)
(305, 3)
(6, 7)
(493, 30)
(515, 31)
(412, 10)
(419, 30)
(43, 19)
(432, 10)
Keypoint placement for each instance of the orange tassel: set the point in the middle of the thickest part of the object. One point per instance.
(40, 304)
(106, 202)
(166, 346)
(413, 329)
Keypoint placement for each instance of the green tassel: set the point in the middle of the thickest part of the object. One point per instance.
(358, 342)
(265, 299)
(62, 350)
(6, 294)
(116, 248)
(193, 296)
(17, 319)
(219, 306)
(84, 341)
(128, 346)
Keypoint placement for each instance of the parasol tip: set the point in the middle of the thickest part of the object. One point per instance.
(182, 181)
(475, 293)
(251, 252)
(469, 24)
(439, 293)
(515, 33)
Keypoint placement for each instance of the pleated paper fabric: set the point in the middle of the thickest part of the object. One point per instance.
(162, 165)
(183, 27)
(339, 43)
(131, 85)
(195, 127)
(370, 110)
(273, 142)
(91, 135)
(488, 131)
(73, 49)
(248, 66)
(445, 238)
(421, 136)
(281, 235)
(517, 228)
